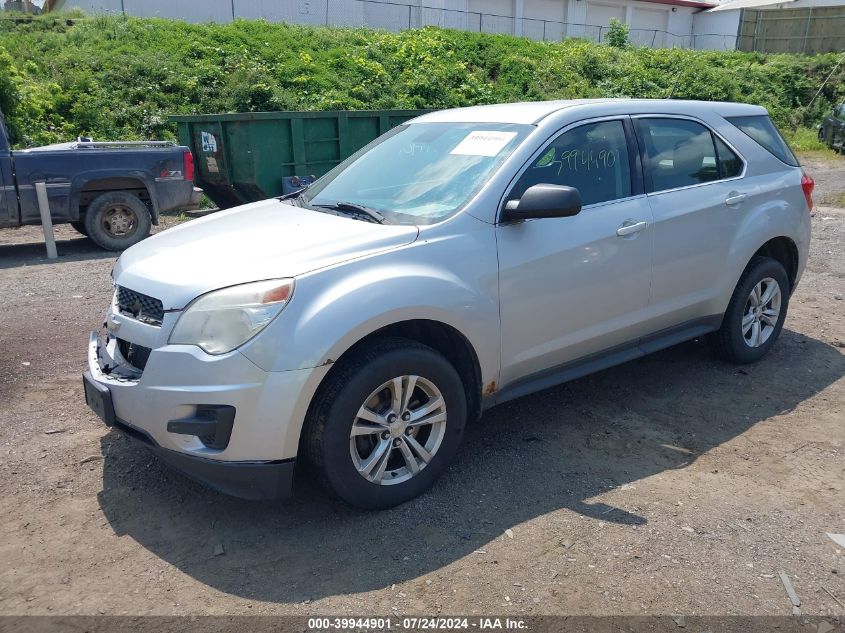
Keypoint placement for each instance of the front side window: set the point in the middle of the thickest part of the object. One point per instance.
(419, 173)
(592, 158)
(840, 112)
(679, 153)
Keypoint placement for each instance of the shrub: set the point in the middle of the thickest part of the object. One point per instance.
(617, 33)
(113, 77)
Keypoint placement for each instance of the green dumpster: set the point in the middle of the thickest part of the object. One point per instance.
(244, 157)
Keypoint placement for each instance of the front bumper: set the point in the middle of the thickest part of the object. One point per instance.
(178, 384)
(259, 481)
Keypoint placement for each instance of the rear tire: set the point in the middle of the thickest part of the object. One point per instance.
(755, 314)
(116, 220)
(393, 454)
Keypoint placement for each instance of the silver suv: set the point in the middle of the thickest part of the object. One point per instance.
(466, 258)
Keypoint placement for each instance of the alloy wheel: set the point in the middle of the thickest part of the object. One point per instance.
(398, 430)
(761, 313)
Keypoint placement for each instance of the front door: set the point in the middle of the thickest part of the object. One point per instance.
(572, 287)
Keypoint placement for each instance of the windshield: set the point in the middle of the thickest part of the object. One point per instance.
(420, 173)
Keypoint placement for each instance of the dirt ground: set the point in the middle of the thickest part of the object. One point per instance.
(671, 484)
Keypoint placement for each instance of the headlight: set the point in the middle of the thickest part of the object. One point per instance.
(222, 320)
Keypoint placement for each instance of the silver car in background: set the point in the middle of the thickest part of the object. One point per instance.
(466, 258)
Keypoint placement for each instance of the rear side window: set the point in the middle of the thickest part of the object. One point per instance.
(762, 130)
(730, 165)
(679, 153)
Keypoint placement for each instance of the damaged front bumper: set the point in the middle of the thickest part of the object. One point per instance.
(219, 419)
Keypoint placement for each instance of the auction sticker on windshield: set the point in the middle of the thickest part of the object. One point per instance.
(483, 143)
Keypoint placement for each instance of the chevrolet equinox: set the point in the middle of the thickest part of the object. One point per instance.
(463, 259)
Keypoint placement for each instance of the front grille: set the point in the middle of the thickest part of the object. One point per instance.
(139, 306)
(135, 355)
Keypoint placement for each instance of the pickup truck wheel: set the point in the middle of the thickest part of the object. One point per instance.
(116, 220)
(755, 315)
(80, 227)
(387, 424)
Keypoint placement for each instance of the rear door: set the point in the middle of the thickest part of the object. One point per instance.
(698, 197)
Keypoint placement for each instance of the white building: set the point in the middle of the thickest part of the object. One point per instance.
(657, 23)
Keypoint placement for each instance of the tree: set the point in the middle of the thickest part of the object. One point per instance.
(617, 33)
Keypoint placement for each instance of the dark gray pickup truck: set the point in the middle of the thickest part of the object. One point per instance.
(111, 192)
(832, 130)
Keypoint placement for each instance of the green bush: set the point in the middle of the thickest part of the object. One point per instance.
(617, 33)
(806, 140)
(117, 78)
(9, 92)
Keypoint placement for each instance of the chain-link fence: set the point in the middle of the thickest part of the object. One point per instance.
(395, 16)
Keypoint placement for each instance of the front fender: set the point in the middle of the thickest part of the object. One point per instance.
(334, 318)
(449, 275)
(331, 318)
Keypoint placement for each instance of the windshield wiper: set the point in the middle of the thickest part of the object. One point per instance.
(294, 194)
(357, 209)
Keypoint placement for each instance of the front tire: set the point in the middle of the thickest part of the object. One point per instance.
(755, 314)
(116, 220)
(387, 424)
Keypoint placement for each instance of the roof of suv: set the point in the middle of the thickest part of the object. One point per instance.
(533, 112)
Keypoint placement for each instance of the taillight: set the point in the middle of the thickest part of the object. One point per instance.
(189, 165)
(807, 185)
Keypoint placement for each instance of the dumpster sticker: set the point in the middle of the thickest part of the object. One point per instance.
(483, 143)
(209, 142)
(211, 163)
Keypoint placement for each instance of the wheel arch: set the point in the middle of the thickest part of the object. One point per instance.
(91, 185)
(440, 336)
(784, 250)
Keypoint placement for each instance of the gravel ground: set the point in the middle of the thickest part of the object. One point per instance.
(672, 484)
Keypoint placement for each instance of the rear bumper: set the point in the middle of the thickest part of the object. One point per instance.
(196, 200)
(173, 194)
(259, 481)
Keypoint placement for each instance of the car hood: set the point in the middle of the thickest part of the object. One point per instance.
(264, 240)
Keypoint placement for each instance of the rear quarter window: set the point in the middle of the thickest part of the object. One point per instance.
(761, 129)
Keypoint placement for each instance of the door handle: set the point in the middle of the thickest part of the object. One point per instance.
(735, 198)
(629, 228)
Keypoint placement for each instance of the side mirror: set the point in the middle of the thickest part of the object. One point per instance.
(544, 201)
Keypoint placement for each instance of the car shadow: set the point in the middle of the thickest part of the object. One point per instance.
(30, 253)
(554, 450)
